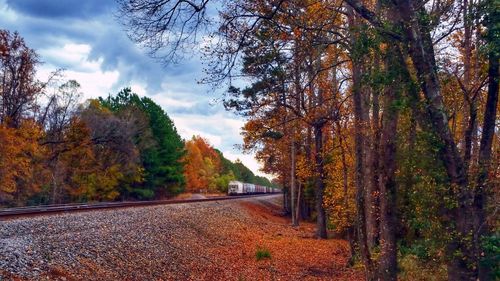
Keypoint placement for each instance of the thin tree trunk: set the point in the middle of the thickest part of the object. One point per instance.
(292, 180)
(305, 205)
(467, 47)
(297, 92)
(55, 191)
(297, 210)
(374, 163)
(359, 152)
(320, 182)
(469, 112)
(469, 133)
(286, 203)
(388, 190)
(345, 175)
(369, 171)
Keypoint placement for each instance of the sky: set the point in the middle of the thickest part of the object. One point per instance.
(84, 38)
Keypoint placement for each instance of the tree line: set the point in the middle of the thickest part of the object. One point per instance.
(207, 169)
(55, 149)
(378, 117)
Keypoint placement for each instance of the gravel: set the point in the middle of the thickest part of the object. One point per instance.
(143, 243)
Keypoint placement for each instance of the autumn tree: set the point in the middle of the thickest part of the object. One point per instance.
(21, 155)
(161, 147)
(421, 51)
(19, 87)
(203, 165)
(57, 118)
(21, 163)
(410, 93)
(207, 169)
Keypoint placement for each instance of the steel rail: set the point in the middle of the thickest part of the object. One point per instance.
(67, 208)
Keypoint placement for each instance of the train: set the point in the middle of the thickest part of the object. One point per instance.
(240, 188)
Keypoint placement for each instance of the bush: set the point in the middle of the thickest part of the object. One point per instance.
(262, 254)
(413, 269)
(491, 258)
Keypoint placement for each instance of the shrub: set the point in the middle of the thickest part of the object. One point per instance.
(262, 253)
(413, 269)
(491, 258)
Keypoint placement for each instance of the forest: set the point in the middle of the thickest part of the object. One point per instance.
(379, 118)
(56, 149)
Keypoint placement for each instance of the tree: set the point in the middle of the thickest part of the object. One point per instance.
(417, 34)
(57, 118)
(196, 172)
(116, 159)
(206, 168)
(174, 23)
(19, 87)
(408, 95)
(161, 147)
(21, 163)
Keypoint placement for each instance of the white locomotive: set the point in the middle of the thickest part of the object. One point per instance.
(240, 188)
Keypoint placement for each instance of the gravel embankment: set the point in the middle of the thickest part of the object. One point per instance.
(136, 243)
(198, 241)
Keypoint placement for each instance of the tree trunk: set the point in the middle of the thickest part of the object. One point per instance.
(345, 174)
(351, 230)
(423, 58)
(371, 208)
(469, 133)
(297, 210)
(286, 202)
(482, 187)
(373, 162)
(298, 93)
(320, 182)
(467, 49)
(388, 191)
(359, 152)
(292, 180)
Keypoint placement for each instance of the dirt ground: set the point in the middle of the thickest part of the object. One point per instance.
(295, 253)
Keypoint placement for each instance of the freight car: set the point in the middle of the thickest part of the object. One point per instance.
(240, 188)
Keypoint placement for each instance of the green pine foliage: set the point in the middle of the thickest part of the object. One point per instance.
(241, 172)
(161, 148)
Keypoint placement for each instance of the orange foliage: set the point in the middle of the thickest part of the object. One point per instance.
(20, 161)
(203, 165)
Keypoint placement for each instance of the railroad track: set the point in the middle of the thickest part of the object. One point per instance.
(67, 208)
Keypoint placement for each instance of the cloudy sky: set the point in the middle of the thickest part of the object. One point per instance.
(84, 38)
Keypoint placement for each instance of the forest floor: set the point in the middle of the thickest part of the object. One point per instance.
(200, 241)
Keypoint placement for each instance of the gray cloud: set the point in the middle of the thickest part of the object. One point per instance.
(62, 9)
(49, 25)
(45, 24)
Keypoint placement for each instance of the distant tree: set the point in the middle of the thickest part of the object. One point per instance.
(222, 182)
(161, 147)
(238, 171)
(194, 171)
(19, 87)
(57, 119)
(226, 164)
(203, 165)
(21, 163)
(117, 162)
